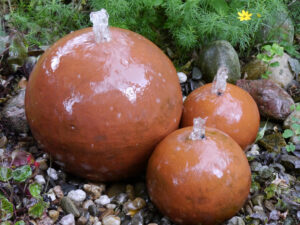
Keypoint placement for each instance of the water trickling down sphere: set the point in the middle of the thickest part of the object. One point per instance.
(100, 108)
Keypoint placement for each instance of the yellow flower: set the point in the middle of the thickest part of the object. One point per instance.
(258, 15)
(244, 15)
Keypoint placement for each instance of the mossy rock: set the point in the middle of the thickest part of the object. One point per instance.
(218, 54)
(254, 69)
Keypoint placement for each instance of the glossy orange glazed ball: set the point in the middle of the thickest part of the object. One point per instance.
(198, 181)
(100, 108)
(232, 111)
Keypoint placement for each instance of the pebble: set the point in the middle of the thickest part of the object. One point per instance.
(121, 198)
(67, 220)
(51, 194)
(93, 210)
(94, 190)
(274, 215)
(137, 219)
(111, 220)
(236, 221)
(40, 179)
(136, 204)
(45, 220)
(52, 173)
(87, 203)
(103, 200)
(111, 206)
(182, 77)
(106, 213)
(53, 214)
(196, 73)
(58, 192)
(69, 207)
(77, 195)
(81, 220)
(43, 163)
(3, 141)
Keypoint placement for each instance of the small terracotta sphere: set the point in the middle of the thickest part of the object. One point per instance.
(100, 108)
(234, 112)
(198, 181)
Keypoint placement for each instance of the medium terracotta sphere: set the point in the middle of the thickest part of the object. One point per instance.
(234, 112)
(198, 181)
(100, 108)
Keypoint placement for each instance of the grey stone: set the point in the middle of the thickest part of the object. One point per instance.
(196, 73)
(69, 207)
(281, 74)
(67, 220)
(13, 113)
(236, 221)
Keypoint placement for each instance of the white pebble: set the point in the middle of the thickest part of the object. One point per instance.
(40, 179)
(182, 77)
(111, 220)
(103, 200)
(77, 195)
(51, 194)
(52, 173)
(97, 223)
(67, 220)
(111, 206)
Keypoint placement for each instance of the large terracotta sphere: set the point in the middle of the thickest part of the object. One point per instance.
(198, 182)
(233, 112)
(100, 108)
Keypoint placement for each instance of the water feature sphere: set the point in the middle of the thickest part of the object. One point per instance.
(100, 103)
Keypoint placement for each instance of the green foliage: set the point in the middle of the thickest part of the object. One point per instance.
(19, 178)
(192, 22)
(45, 21)
(294, 131)
(270, 51)
(21, 222)
(20, 174)
(6, 208)
(37, 210)
(35, 190)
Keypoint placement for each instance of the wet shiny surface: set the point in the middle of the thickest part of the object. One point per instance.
(234, 112)
(204, 181)
(100, 109)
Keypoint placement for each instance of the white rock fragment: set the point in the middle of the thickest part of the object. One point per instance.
(103, 200)
(111, 206)
(67, 220)
(77, 195)
(52, 173)
(182, 77)
(111, 220)
(51, 194)
(40, 179)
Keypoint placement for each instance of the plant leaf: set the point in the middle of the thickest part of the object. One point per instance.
(261, 133)
(287, 133)
(274, 64)
(35, 190)
(37, 210)
(22, 173)
(5, 174)
(290, 147)
(21, 222)
(6, 208)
